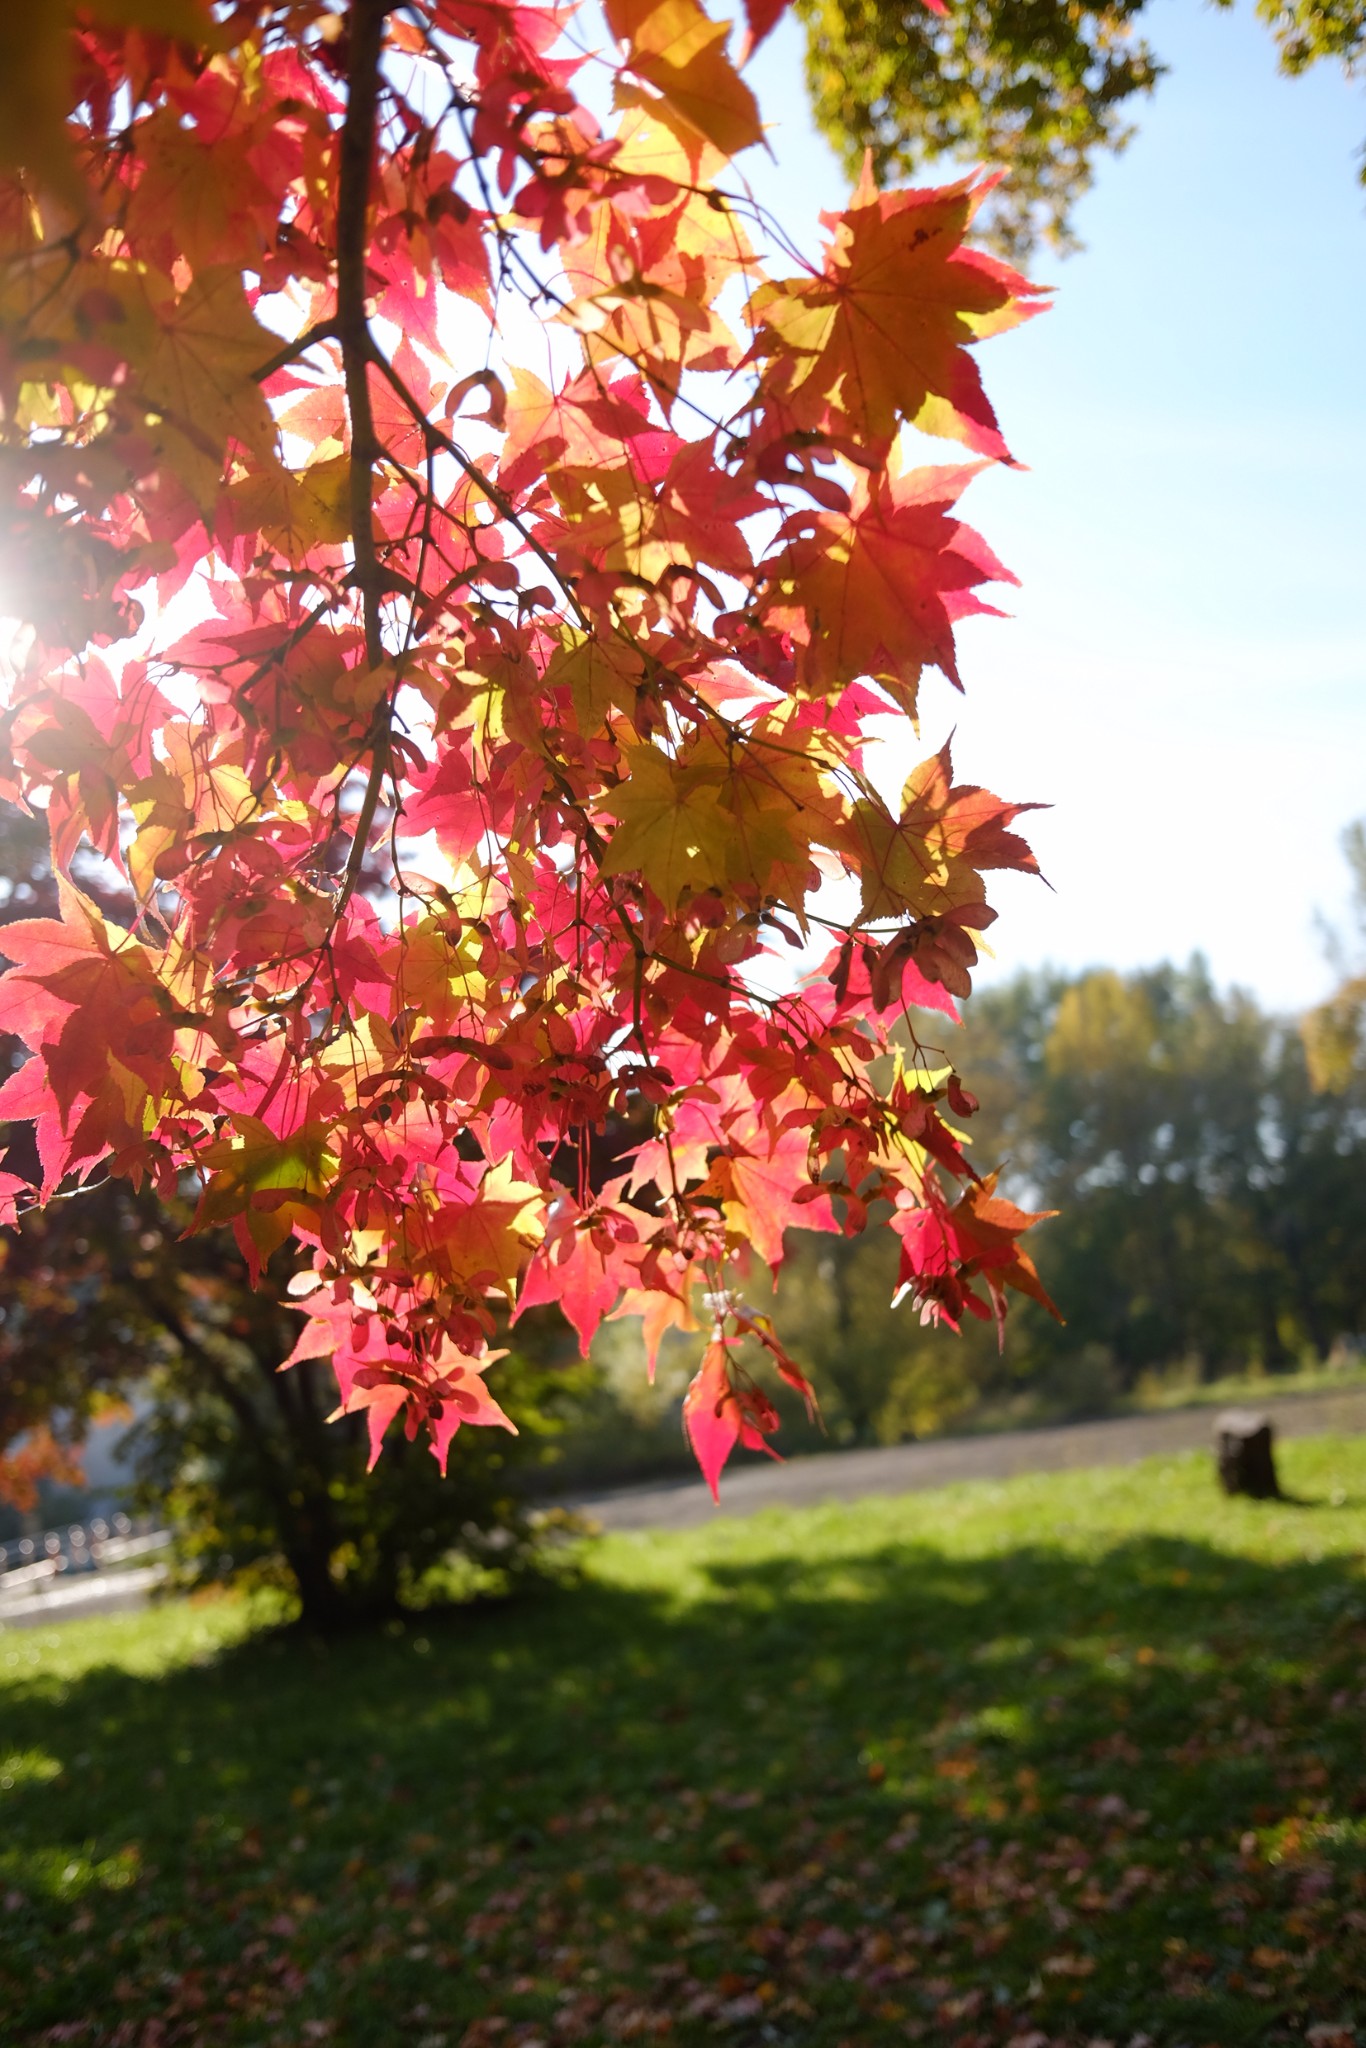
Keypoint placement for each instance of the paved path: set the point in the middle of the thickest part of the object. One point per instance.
(804, 1482)
(88, 1593)
(910, 1468)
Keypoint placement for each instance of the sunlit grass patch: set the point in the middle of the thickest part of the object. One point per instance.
(1069, 1758)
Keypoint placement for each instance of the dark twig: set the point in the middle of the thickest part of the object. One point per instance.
(366, 31)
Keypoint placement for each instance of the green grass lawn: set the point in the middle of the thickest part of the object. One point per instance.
(1077, 1758)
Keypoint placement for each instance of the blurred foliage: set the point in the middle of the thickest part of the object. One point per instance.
(41, 1460)
(1335, 1031)
(1042, 87)
(1213, 1203)
(264, 1485)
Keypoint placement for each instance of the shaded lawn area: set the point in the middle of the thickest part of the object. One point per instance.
(1071, 1758)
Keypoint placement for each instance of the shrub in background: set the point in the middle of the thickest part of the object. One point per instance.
(241, 1458)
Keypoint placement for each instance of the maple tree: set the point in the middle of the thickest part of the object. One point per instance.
(460, 571)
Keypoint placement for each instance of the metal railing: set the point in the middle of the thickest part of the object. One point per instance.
(62, 1557)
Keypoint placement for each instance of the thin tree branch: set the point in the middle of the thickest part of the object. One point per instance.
(323, 330)
(366, 32)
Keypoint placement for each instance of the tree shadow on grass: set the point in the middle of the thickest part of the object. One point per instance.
(871, 1797)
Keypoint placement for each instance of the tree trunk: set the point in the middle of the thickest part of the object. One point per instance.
(1247, 1464)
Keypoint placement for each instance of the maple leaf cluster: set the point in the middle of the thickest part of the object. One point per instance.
(459, 572)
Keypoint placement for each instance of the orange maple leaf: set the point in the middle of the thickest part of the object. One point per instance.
(930, 860)
(881, 335)
(682, 53)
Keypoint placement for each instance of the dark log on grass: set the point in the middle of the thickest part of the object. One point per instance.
(1244, 1448)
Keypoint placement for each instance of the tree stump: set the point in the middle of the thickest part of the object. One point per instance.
(1247, 1464)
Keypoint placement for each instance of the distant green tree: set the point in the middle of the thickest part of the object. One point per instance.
(1213, 1205)
(883, 1378)
(1040, 86)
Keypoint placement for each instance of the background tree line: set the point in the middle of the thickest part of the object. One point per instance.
(1211, 1199)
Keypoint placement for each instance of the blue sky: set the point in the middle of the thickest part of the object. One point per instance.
(1184, 677)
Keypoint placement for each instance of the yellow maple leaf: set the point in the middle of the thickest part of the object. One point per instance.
(602, 674)
(295, 511)
(881, 334)
(673, 831)
(436, 976)
(273, 1182)
(680, 51)
(200, 373)
(485, 1242)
